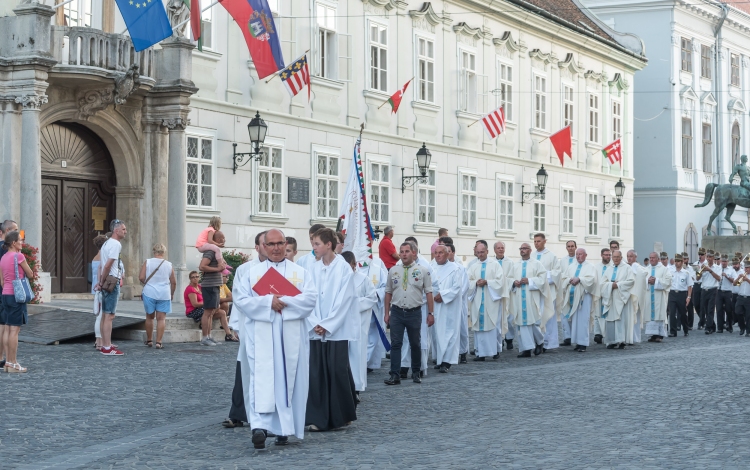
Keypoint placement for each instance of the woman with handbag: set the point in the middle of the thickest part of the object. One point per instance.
(16, 294)
(157, 277)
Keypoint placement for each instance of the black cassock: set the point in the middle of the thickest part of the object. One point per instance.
(331, 399)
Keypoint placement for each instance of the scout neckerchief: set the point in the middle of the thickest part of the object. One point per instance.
(405, 280)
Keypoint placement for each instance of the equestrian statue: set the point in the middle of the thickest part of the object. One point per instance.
(729, 196)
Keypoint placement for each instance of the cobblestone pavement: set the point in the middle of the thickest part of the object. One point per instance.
(679, 404)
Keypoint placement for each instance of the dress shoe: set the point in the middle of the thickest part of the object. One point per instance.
(652, 339)
(700, 327)
(581, 349)
(544, 350)
(567, 342)
(404, 372)
(598, 339)
(434, 361)
(356, 398)
(473, 353)
(742, 332)
(622, 346)
(720, 331)
(438, 366)
(369, 371)
(708, 332)
(415, 378)
(687, 334)
(538, 349)
(259, 438)
(658, 339)
(443, 369)
(394, 379)
(281, 440)
(422, 374)
(509, 344)
(611, 346)
(576, 348)
(496, 356)
(672, 335)
(730, 330)
(232, 423)
(478, 359)
(463, 360)
(526, 353)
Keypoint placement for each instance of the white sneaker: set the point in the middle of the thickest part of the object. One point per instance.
(215, 343)
(207, 342)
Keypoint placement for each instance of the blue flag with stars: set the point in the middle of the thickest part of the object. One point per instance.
(146, 20)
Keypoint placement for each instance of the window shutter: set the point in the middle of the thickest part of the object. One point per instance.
(345, 57)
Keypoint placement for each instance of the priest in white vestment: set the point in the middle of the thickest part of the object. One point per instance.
(507, 265)
(486, 293)
(616, 289)
(552, 265)
(570, 246)
(531, 302)
(656, 298)
(274, 350)
(579, 289)
(447, 288)
(599, 322)
(633, 328)
(377, 274)
(463, 348)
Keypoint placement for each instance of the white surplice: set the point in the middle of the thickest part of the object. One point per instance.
(633, 327)
(565, 262)
(655, 299)
(358, 348)
(307, 261)
(378, 275)
(486, 306)
(574, 302)
(617, 303)
(274, 350)
(337, 309)
(510, 331)
(447, 282)
(463, 347)
(531, 305)
(552, 265)
(599, 322)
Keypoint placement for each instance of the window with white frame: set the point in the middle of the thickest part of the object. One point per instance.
(708, 154)
(468, 199)
(616, 120)
(467, 81)
(593, 117)
(200, 172)
(77, 13)
(425, 70)
(568, 106)
(706, 61)
(380, 191)
(539, 216)
(615, 224)
(269, 181)
(540, 102)
(592, 207)
(325, 16)
(505, 204)
(378, 57)
(327, 182)
(735, 64)
(567, 210)
(505, 89)
(687, 143)
(206, 29)
(426, 199)
(686, 46)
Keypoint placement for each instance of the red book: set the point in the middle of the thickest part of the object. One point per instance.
(274, 283)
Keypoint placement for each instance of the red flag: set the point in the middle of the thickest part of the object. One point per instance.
(563, 143)
(195, 18)
(613, 152)
(395, 99)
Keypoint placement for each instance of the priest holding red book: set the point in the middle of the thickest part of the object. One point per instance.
(273, 300)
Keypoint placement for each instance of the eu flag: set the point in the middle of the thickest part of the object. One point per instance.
(146, 20)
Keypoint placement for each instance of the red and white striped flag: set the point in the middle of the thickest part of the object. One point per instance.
(296, 76)
(613, 152)
(494, 123)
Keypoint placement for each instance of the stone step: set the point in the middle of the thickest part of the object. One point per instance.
(175, 323)
(81, 296)
(170, 336)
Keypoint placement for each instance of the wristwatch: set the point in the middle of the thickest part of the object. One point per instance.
(429, 313)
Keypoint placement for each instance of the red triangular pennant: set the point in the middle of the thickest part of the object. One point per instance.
(563, 143)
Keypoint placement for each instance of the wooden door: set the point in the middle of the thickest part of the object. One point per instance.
(74, 243)
(51, 197)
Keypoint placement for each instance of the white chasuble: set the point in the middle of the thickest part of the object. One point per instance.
(337, 309)
(654, 297)
(368, 298)
(447, 281)
(532, 303)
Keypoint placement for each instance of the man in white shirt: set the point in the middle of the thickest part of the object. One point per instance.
(690, 315)
(110, 266)
(735, 289)
(679, 297)
(698, 290)
(709, 287)
(724, 296)
(742, 307)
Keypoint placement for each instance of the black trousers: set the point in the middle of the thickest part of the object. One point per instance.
(411, 321)
(742, 311)
(723, 309)
(237, 411)
(677, 311)
(734, 317)
(695, 302)
(708, 306)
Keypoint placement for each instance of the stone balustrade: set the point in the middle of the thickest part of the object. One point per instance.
(89, 47)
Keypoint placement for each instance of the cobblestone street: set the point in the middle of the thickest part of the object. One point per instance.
(683, 403)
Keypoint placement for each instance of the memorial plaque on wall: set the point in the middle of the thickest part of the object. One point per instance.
(299, 191)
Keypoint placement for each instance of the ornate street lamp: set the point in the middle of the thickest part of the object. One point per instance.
(619, 193)
(541, 182)
(423, 162)
(257, 129)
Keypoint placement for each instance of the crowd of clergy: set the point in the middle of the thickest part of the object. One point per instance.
(304, 359)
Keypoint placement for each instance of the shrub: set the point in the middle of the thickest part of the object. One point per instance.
(235, 259)
(32, 258)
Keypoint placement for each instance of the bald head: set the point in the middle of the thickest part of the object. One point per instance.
(581, 255)
(219, 237)
(275, 244)
(525, 250)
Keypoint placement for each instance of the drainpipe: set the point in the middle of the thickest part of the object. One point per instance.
(718, 80)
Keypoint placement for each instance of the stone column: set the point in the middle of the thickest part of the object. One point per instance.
(30, 218)
(177, 199)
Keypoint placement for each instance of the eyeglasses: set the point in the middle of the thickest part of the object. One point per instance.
(274, 245)
(194, 277)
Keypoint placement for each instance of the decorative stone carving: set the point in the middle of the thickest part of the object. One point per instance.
(126, 84)
(505, 45)
(91, 102)
(426, 19)
(468, 35)
(178, 12)
(569, 65)
(31, 101)
(600, 77)
(619, 83)
(387, 4)
(175, 123)
(540, 56)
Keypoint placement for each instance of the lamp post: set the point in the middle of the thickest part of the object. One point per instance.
(619, 193)
(541, 182)
(423, 162)
(257, 129)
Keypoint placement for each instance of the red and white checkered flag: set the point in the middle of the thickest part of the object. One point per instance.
(494, 123)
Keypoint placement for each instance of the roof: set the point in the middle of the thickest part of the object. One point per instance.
(739, 4)
(569, 11)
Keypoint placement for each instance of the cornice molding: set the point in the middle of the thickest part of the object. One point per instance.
(387, 4)
(428, 13)
(570, 64)
(466, 30)
(619, 82)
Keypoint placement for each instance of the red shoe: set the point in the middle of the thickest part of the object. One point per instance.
(111, 352)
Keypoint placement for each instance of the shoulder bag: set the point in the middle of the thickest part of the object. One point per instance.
(21, 287)
(110, 282)
(152, 274)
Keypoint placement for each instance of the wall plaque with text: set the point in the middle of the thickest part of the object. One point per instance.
(299, 191)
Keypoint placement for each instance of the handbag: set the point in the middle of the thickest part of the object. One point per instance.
(152, 274)
(21, 287)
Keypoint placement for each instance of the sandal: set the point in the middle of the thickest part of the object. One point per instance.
(16, 368)
(231, 338)
(158, 345)
(148, 343)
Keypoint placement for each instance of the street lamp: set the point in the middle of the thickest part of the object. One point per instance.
(257, 129)
(423, 162)
(619, 193)
(541, 182)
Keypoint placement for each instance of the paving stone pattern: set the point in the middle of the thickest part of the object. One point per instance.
(679, 404)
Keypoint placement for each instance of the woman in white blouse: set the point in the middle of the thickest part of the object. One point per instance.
(157, 277)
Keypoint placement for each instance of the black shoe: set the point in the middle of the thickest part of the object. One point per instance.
(434, 361)
(598, 339)
(567, 342)
(687, 334)
(473, 353)
(463, 360)
(393, 380)
(496, 356)
(526, 353)
(478, 359)
(730, 330)
(622, 346)
(443, 369)
(2, 363)
(672, 335)
(576, 348)
(232, 423)
(708, 332)
(357, 401)
(581, 349)
(387, 355)
(611, 346)
(742, 332)
(438, 366)
(700, 327)
(415, 378)
(679, 328)
(544, 350)
(509, 344)
(369, 371)
(281, 441)
(538, 349)
(720, 331)
(404, 372)
(422, 374)
(259, 438)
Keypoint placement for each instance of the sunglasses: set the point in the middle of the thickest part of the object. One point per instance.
(195, 277)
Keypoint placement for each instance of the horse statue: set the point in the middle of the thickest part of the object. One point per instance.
(729, 196)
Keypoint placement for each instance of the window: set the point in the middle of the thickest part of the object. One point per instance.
(735, 62)
(540, 216)
(327, 182)
(326, 21)
(505, 89)
(269, 181)
(687, 143)
(615, 224)
(705, 61)
(707, 149)
(567, 210)
(735, 144)
(468, 195)
(504, 204)
(426, 197)
(467, 82)
(687, 54)
(540, 102)
(200, 166)
(616, 120)
(568, 107)
(593, 117)
(378, 57)
(77, 13)
(207, 28)
(425, 70)
(380, 191)
(593, 214)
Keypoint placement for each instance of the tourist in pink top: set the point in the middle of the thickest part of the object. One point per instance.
(13, 314)
(205, 241)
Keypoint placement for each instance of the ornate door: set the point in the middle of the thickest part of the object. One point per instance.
(691, 242)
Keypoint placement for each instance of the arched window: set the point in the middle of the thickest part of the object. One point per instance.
(735, 144)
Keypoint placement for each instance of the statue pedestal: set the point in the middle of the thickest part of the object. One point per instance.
(727, 244)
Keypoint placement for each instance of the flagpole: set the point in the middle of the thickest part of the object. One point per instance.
(61, 4)
(216, 2)
(295, 60)
(386, 101)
